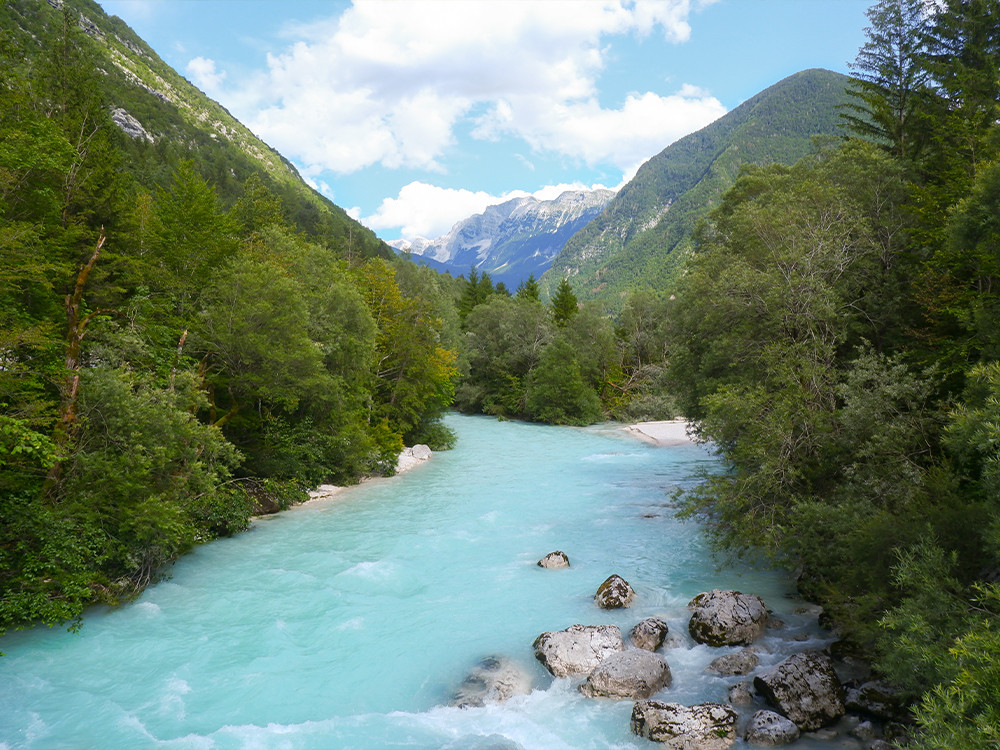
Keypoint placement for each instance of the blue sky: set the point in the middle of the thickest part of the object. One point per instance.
(413, 115)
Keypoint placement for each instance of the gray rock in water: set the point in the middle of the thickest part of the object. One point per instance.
(740, 694)
(706, 726)
(555, 559)
(649, 633)
(804, 688)
(865, 731)
(727, 618)
(421, 452)
(614, 593)
(741, 662)
(768, 729)
(493, 680)
(482, 742)
(877, 698)
(634, 673)
(578, 649)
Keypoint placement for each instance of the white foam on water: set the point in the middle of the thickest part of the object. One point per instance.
(351, 629)
(377, 570)
(148, 608)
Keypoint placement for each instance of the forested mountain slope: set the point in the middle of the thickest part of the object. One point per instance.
(168, 119)
(641, 237)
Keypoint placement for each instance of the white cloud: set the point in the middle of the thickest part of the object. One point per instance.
(643, 125)
(387, 83)
(204, 75)
(424, 210)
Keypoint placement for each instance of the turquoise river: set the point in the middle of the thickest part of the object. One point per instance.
(349, 623)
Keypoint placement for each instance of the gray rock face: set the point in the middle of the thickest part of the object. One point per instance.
(129, 125)
(513, 239)
(614, 593)
(769, 729)
(493, 680)
(727, 618)
(578, 649)
(649, 633)
(742, 662)
(706, 726)
(634, 673)
(804, 688)
(555, 559)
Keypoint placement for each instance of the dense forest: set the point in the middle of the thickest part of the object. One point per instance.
(178, 351)
(186, 341)
(835, 335)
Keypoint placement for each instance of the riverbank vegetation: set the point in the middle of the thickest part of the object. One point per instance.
(177, 351)
(835, 336)
(183, 340)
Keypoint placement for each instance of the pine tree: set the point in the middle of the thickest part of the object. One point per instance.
(528, 289)
(890, 78)
(564, 303)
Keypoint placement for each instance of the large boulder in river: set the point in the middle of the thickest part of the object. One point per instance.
(769, 729)
(804, 688)
(557, 559)
(614, 593)
(649, 634)
(493, 680)
(706, 726)
(727, 618)
(741, 662)
(634, 673)
(578, 649)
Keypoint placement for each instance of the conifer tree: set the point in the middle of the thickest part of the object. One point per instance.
(528, 289)
(890, 78)
(564, 303)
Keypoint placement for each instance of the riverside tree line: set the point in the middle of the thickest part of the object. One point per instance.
(173, 352)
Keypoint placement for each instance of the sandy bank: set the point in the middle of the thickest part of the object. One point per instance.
(667, 432)
(410, 458)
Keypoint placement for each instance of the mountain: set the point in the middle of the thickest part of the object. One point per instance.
(168, 119)
(511, 240)
(642, 236)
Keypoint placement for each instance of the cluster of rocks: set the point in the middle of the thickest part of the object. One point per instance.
(803, 693)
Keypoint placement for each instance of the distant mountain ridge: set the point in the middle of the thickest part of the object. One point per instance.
(642, 236)
(510, 240)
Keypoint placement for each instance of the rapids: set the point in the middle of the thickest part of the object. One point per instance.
(348, 623)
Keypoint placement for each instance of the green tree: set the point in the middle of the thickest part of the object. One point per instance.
(564, 303)
(556, 391)
(890, 78)
(528, 289)
(504, 342)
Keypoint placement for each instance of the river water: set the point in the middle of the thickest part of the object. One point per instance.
(349, 623)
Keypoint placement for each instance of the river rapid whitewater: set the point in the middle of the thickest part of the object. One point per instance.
(349, 623)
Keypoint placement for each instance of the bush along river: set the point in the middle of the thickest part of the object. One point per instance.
(403, 612)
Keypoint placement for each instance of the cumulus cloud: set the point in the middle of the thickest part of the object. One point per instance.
(204, 75)
(425, 210)
(387, 83)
